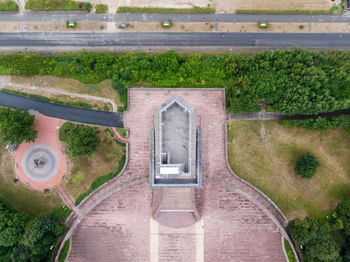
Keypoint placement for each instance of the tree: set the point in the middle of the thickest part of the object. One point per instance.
(322, 249)
(307, 166)
(82, 141)
(16, 126)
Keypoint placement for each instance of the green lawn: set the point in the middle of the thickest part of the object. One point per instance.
(64, 252)
(85, 171)
(273, 150)
(19, 196)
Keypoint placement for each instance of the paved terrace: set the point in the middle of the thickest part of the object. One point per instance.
(238, 223)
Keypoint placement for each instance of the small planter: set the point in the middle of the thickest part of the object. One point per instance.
(71, 24)
(167, 24)
(263, 24)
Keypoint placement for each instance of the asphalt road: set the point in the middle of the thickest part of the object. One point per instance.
(277, 40)
(29, 16)
(64, 112)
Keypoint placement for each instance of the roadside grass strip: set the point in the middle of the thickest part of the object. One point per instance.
(57, 5)
(194, 10)
(8, 6)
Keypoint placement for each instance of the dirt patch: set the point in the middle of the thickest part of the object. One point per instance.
(253, 27)
(229, 6)
(61, 26)
(330, 27)
(9, 26)
(176, 27)
(103, 89)
(97, 105)
(273, 150)
(82, 171)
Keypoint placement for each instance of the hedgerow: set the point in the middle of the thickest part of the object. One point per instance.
(320, 123)
(292, 81)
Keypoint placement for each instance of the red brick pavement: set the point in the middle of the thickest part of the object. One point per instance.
(238, 223)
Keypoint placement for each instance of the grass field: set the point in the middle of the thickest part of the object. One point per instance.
(273, 150)
(18, 195)
(84, 170)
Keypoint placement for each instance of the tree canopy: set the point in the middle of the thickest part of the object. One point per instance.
(22, 239)
(82, 141)
(307, 166)
(16, 126)
(292, 81)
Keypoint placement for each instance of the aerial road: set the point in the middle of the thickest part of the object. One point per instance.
(172, 39)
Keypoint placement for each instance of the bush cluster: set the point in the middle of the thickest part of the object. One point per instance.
(325, 239)
(101, 8)
(25, 239)
(307, 166)
(319, 123)
(292, 81)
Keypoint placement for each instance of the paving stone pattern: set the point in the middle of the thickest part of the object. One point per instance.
(235, 228)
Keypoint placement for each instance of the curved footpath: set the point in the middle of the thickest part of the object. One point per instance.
(76, 114)
(252, 209)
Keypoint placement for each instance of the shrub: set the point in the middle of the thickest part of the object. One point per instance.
(71, 25)
(167, 24)
(64, 131)
(101, 8)
(319, 123)
(301, 26)
(307, 166)
(263, 24)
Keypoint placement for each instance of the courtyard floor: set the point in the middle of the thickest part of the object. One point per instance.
(237, 223)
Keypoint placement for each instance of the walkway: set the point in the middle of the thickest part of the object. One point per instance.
(62, 92)
(236, 219)
(118, 136)
(63, 112)
(29, 16)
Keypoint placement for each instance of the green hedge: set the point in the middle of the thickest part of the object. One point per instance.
(64, 251)
(101, 8)
(292, 81)
(8, 6)
(195, 9)
(320, 123)
(45, 99)
(101, 180)
(57, 5)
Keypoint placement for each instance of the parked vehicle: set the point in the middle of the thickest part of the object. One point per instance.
(123, 26)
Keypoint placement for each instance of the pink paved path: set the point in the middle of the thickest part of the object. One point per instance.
(118, 136)
(47, 135)
(237, 220)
